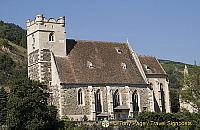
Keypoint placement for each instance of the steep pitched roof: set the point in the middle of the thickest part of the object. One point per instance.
(106, 61)
(151, 65)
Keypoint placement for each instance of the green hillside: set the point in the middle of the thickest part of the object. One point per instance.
(13, 62)
(13, 33)
(175, 71)
(175, 75)
(13, 55)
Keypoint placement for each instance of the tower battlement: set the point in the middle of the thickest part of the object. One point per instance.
(40, 19)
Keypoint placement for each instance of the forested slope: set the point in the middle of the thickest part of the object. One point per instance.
(13, 54)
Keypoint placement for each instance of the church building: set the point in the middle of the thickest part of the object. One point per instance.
(96, 79)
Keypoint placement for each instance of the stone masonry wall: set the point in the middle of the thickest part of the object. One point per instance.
(34, 72)
(70, 102)
(33, 57)
(144, 98)
(105, 99)
(124, 92)
(45, 65)
(46, 72)
(45, 55)
(33, 67)
(42, 60)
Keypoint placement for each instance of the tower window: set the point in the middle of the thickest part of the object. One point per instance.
(33, 40)
(33, 44)
(80, 97)
(51, 37)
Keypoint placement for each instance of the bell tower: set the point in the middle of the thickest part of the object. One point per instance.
(44, 37)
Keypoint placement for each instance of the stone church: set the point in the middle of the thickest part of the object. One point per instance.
(95, 79)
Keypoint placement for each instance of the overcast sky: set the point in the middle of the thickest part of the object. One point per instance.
(167, 29)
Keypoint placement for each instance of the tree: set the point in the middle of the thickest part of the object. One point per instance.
(68, 124)
(170, 120)
(3, 109)
(6, 67)
(27, 107)
(191, 89)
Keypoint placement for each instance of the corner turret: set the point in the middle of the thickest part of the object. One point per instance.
(61, 20)
(39, 18)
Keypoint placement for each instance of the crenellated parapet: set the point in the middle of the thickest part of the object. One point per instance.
(40, 19)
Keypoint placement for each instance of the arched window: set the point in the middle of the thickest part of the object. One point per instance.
(135, 102)
(80, 97)
(116, 99)
(51, 37)
(162, 97)
(98, 107)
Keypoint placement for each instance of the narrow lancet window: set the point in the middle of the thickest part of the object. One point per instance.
(162, 97)
(116, 99)
(80, 97)
(98, 107)
(135, 102)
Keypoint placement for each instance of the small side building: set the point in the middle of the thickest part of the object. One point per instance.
(157, 78)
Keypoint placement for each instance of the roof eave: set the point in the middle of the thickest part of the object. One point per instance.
(156, 75)
(105, 84)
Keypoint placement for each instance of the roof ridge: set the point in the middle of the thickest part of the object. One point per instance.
(97, 41)
(148, 56)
